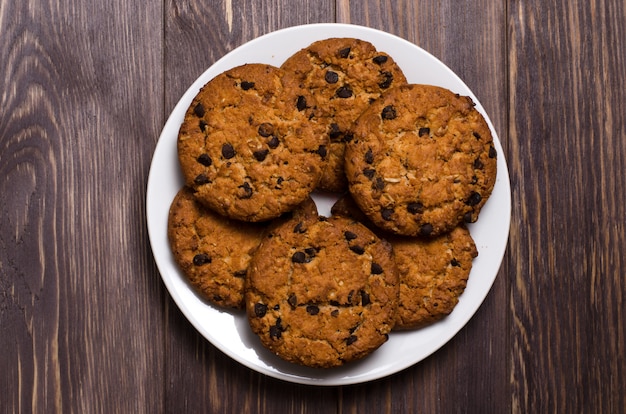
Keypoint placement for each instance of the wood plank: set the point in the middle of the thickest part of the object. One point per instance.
(568, 147)
(80, 93)
(200, 377)
(470, 39)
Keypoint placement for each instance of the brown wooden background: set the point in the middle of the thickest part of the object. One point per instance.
(85, 322)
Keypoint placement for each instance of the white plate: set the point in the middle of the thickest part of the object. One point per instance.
(229, 331)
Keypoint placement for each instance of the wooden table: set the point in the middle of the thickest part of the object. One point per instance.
(86, 324)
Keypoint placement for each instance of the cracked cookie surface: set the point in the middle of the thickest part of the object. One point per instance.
(245, 147)
(322, 292)
(337, 79)
(212, 251)
(421, 161)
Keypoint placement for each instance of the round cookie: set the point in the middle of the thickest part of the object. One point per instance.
(322, 292)
(212, 251)
(422, 161)
(338, 78)
(433, 271)
(246, 149)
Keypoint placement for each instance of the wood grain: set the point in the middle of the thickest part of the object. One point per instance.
(568, 147)
(77, 126)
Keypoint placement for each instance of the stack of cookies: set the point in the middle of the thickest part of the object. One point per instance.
(410, 164)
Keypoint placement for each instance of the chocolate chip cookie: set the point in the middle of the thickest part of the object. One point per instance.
(212, 251)
(433, 271)
(246, 148)
(421, 161)
(322, 292)
(338, 78)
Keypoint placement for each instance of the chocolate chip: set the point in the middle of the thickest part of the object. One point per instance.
(241, 273)
(205, 160)
(298, 257)
(492, 152)
(344, 92)
(386, 213)
(331, 77)
(217, 298)
(260, 154)
(312, 310)
(473, 199)
(388, 112)
(455, 263)
(322, 151)
(468, 217)
(201, 259)
(266, 129)
(310, 251)
(275, 332)
(247, 191)
(369, 156)
(478, 164)
(292, 300)
(426, 229)
(203, 125)
(334, 131)
(276, 307)
(301, 103)
(350, 296)
(357, 249)
(260, 309)
(247, 85)
(415, 208)
(387, 79)
(349, 235)
(199, 110)
(424, 131)
(380, 59)
(334, 313)
(299, 228)
(273, 142)
(228, 151)
(201, 179)
(379, 184)
(334, 303)
(344, 53)
(376, 269)
(351, 339)
(476, 135)
(347, 137)
(369, 173)
(365, 298)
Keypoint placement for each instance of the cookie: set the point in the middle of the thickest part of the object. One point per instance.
(245, 147)
(433, 274)
(213, 252)
(433, 271)
(421, 161)
(322, 292)
(338, 78)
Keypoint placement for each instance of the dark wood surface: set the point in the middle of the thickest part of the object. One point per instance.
(86, 324)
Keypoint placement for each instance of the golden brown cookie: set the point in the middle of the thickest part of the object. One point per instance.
(212, 251)
(433, 274)
(433, 271)
(422, 161)
(322, 292)
(246, 149)
(338, 78)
